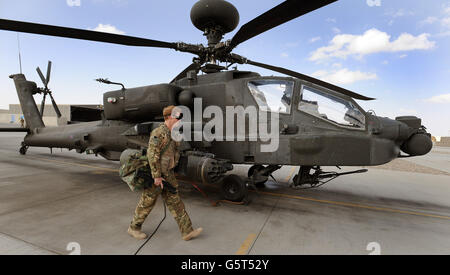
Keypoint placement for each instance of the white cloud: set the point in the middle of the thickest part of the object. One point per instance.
(445, 98)
(443, 34)
(372, 41)
(331, 20)
(314, 39)
(336, 65)
(446, 22)
(400, 13)
(446, 8)
(336, 30)
(374, 3)
(73, 3)
(430, 20)
(284, 55)
(343, 76)
(403, 55)
(108, 28)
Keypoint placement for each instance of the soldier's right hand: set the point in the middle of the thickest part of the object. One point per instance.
(158, 182)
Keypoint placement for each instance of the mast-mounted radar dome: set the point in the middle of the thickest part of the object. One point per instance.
(215, 18)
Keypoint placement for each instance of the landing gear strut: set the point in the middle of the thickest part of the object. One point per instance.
(259, 174)
(305, 180)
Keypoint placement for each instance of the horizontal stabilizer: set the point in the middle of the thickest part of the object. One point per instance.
(13, 130)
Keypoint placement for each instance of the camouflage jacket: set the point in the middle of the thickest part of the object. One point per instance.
(162, 153)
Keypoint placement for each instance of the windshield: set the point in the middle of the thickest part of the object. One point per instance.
(331, 108)
(272, 95)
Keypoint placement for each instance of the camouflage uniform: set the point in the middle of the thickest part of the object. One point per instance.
(163, 156)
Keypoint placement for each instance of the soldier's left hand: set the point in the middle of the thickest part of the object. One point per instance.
(158, 182)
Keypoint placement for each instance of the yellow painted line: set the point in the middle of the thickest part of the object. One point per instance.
(246, 245)
(290, 174)
(383, 209)
(356, 205)
(99, 172)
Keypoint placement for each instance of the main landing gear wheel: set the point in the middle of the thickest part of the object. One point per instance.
(234, 188)
(258, 183)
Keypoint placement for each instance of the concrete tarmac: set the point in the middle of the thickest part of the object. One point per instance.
(65, 203)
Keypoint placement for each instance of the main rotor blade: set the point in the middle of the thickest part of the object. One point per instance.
(310, 79)
(192, 67)
(41, 76)
(19, 26)
(49, 69)
(281, 14)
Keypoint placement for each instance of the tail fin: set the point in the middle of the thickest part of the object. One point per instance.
(25, 91)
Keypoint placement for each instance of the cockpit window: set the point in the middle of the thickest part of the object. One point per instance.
(272, 95)
(331, 108)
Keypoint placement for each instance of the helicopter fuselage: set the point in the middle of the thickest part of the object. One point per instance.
(316, 126)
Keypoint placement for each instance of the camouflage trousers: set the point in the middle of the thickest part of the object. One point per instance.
(173, 202)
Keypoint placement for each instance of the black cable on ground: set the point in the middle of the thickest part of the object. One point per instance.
(154, 232)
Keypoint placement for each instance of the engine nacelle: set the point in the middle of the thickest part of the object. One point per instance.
(140, 104)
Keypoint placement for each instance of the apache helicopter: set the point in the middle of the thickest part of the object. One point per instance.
(320, 124)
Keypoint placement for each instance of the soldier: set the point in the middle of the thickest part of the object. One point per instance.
(22, 122)
(163, 156)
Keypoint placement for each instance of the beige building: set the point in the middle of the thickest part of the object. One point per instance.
(444, 141)
(70, 112)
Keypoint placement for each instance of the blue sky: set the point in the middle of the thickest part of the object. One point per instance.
(395, 51)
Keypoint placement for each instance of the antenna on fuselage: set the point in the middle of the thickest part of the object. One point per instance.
(20, 57)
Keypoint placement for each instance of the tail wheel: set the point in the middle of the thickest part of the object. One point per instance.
(234, 188)
(23, 150)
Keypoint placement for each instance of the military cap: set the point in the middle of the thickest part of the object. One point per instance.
(168, 111)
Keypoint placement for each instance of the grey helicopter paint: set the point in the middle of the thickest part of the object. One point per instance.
(308, 137)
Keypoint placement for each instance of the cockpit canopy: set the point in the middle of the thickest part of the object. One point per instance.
(330, 107)
(275, 95)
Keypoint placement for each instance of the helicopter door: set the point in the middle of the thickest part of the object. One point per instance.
(274, 96)
(330, 108)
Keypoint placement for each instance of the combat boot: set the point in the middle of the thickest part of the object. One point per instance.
(137, 234)
(193, 234)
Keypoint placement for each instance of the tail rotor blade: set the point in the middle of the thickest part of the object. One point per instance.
(43, 105)
(49, 69)
(58, 113)
(41, 76)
